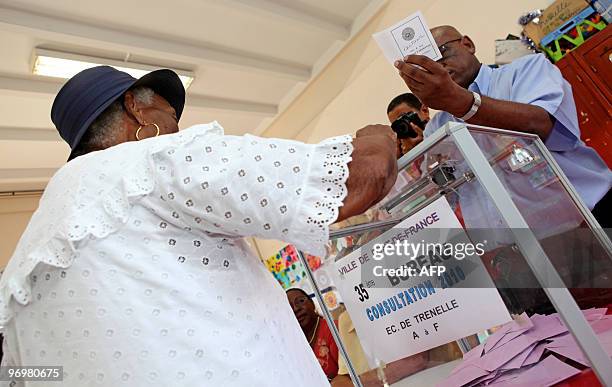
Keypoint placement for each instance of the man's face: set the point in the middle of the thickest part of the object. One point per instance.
(303, 307)
(404, 108)
(457, 55)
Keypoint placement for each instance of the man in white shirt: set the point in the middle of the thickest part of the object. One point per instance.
(134, 270)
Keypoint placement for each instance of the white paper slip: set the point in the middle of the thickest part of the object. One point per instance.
(410, 36)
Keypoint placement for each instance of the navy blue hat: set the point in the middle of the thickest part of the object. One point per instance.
(86, 95)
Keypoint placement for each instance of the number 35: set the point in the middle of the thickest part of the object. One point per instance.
(362, 292)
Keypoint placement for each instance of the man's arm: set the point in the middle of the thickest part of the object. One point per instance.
(342, 381)
(511, 115)
(434, 87)
(394, 372)
(372, 171)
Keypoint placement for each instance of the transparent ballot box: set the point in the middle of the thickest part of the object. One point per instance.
(482, 230)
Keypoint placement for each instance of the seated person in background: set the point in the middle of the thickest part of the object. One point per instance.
(527, 95)
(316, 331)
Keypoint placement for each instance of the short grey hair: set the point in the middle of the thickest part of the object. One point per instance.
(106, 128)
(143, 95)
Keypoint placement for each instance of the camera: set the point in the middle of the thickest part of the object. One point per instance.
(402, 127)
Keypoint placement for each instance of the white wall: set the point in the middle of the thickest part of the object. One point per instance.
(15, 213)
(357, 85)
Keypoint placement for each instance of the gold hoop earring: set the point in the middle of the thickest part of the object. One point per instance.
(141, 126)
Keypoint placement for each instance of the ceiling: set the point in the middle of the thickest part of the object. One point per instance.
(250, 59)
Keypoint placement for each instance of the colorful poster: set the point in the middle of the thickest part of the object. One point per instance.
(286, 267)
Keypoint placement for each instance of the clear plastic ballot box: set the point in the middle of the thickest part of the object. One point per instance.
(482, 228)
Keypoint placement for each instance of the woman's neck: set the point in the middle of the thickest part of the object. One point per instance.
(311, 329)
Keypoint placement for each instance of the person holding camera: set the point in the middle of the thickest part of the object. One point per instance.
(408, 117)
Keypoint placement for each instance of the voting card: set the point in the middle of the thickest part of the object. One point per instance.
(410, 36)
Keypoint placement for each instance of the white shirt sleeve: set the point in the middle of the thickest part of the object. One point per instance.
(250, 186)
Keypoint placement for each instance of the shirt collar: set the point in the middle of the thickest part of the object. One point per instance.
(482, 81)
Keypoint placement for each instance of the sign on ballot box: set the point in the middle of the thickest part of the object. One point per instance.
(417, 286)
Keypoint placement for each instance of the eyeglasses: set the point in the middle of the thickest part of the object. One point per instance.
(444, 47)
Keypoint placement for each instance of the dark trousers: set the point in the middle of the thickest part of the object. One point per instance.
(603, 211)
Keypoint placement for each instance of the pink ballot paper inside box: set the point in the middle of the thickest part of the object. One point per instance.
(410, 36)
(529, 351)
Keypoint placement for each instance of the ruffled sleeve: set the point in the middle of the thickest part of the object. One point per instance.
(251, 186)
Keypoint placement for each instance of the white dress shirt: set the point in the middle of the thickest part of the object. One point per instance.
(134, 270)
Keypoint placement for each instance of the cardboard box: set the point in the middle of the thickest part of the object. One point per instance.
(553, 17)
(508, 50)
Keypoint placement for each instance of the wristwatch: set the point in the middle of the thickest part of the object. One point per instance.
(473, 109)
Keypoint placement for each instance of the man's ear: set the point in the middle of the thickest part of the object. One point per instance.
(133, 108)
(425, 110)
(469, 44)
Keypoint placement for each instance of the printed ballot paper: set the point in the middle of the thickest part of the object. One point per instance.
(410, 36)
